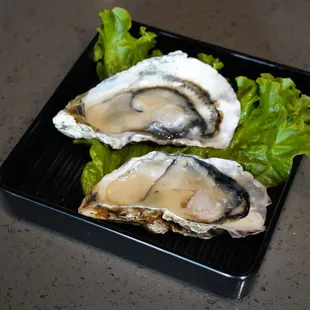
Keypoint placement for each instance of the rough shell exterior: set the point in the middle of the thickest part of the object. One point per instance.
(162, 220)
(176, 64)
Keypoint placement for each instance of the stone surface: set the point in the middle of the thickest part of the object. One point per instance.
(39, 42)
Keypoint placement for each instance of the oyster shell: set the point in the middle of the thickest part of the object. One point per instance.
(172, 99)
(183, 193)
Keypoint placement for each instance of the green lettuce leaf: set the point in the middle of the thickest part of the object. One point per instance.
(116, 49)
(274, 128)
(156, 53)
(248, 95)
(210, 60)
(95, 169)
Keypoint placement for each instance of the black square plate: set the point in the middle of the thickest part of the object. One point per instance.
(40, 180)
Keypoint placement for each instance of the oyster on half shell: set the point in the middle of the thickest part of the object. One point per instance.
(172, 99)
(183, 193)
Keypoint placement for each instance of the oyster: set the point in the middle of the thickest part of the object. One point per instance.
(183, 193)
(172, 99)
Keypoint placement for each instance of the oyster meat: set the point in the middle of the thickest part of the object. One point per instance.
(182, 193)
(172, 99)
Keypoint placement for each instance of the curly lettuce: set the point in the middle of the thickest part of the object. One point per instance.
(210, 60)
(116, 49)
(273, 129)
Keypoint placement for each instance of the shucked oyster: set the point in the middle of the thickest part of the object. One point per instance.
(183, 193)
(172, 99)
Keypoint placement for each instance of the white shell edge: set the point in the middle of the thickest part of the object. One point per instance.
(252, 224)
(191, 69)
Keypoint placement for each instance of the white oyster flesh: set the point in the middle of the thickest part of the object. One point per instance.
(172, 99)
(183, 193)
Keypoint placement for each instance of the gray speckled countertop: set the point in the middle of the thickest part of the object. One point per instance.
(40, 269)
